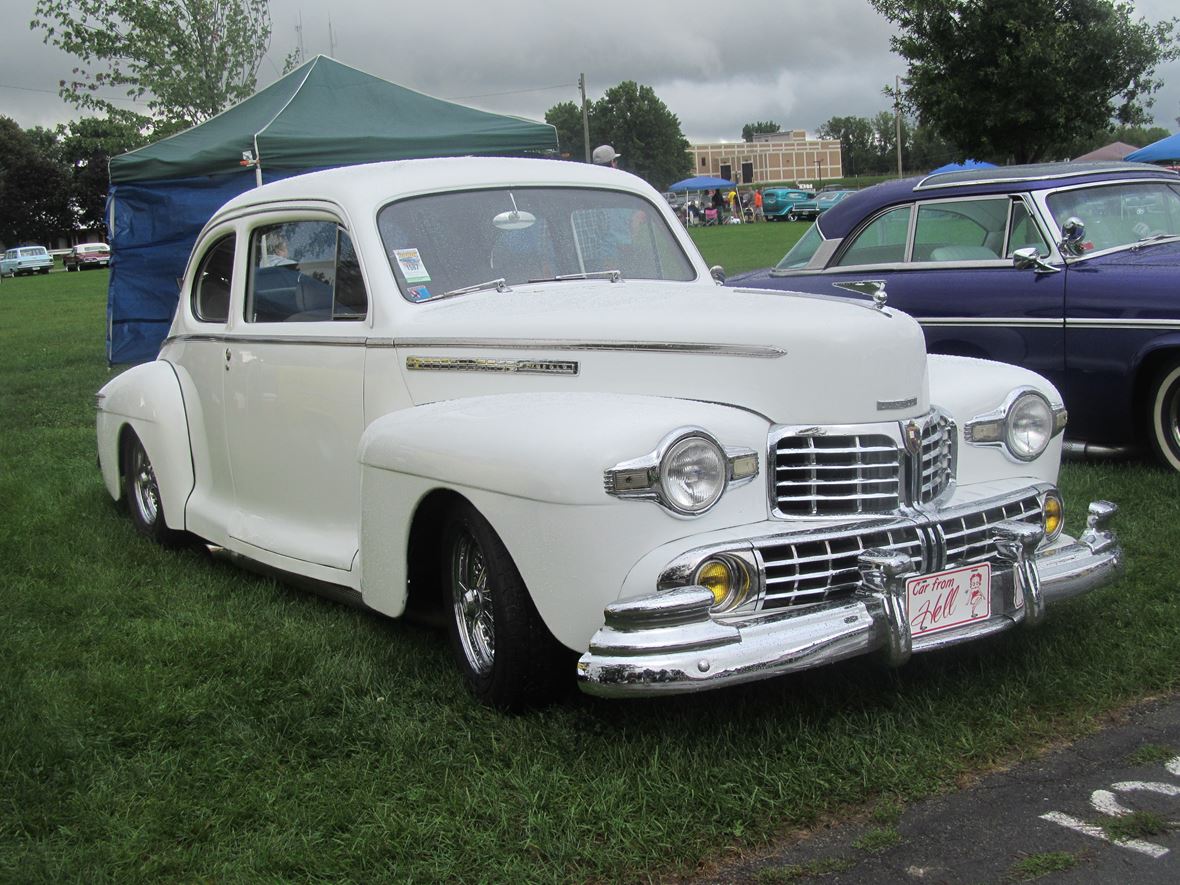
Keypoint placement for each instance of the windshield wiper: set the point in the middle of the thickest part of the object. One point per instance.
(614, 276)
(1153, 238)
(499, 284)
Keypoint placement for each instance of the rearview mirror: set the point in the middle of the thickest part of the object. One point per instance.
(1073, 232)
(514, 220)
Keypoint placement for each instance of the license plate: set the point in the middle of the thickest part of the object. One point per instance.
(944, 600)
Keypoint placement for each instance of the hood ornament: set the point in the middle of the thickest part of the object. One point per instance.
(874, 289)
(913, 437)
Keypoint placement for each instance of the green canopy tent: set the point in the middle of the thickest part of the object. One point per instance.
(322, 114)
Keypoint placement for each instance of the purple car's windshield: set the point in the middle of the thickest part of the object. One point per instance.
(1118, 215)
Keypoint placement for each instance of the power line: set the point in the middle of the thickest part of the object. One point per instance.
(55, 92)
(515, 91)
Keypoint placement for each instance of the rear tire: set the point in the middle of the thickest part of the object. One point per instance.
(508, 657)
(142, 494)
(1164, 404)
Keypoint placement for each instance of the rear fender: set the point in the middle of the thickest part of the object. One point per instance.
(147, 400)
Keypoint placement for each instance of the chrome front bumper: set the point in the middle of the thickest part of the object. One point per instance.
(668, 643)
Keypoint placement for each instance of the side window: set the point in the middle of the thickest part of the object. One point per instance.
(881, 242)
(961, 230)
(1024, 232)
(210, 295)
(304, 272)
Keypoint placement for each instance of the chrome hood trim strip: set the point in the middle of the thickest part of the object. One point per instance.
(740, 350)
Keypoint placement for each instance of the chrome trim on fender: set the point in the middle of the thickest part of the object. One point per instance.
(512, 367)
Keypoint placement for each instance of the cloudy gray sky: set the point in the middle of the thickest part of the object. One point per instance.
(797, 62)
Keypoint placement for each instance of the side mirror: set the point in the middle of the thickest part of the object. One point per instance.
(1073, 232)
(1029, 258)
(717, 272)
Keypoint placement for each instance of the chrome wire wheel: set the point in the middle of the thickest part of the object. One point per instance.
(146, 493)
(472, 599)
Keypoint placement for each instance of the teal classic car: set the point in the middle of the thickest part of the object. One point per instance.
(25, 259)
(778, 203)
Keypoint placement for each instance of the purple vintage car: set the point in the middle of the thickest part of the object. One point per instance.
(1069, 269)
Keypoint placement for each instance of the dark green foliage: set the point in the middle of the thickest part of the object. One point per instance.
(762, 127)
(632, 119)
(567, 118)
(34, 186)
(1020, 80)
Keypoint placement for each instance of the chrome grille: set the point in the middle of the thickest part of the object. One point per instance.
(937, 462)
(817, 567)
(968, 538)
(812, 569)
(816, 475)
(842, 471)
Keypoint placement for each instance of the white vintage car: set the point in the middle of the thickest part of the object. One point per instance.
(511, 391)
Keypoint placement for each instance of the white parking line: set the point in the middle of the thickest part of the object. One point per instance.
(1080, 826)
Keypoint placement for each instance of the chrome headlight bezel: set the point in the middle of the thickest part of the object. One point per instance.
(997, 428)
(646, 477)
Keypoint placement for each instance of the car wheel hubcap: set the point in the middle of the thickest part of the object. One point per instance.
(473, 603)
(147, 493)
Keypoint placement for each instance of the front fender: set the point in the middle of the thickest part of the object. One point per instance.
(967, 388)
(533, 465)
(147, 399)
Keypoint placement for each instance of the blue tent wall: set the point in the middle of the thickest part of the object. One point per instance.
(153, 227)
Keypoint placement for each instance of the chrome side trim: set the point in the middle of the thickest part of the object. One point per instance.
(740, 350)
(928, 183)
(513, 367)
(317, 340)
(1068, 322)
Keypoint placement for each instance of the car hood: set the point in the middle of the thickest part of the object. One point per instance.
(793, 358)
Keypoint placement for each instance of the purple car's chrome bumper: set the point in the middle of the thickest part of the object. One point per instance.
(668, 643)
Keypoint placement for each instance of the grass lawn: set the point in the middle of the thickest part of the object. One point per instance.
(167, 716)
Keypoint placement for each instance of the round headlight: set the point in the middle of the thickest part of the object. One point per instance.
(1029, 426)
(692, 474)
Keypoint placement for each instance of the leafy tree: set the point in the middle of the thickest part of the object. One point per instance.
(633, 120)
(857, 143)
(86, 147)
(34, 186)
(1021, 78)
(188, 59)
(567, 118)
(762, 127)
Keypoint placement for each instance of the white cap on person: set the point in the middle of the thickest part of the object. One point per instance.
(604, 155)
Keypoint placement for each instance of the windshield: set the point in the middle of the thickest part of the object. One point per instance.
(802, 251)
(467, 240)
(1120, 214)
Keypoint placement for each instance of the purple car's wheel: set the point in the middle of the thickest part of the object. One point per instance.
(1165, 417)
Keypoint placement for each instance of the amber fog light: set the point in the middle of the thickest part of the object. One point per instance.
(726, 579)
(1052, 515)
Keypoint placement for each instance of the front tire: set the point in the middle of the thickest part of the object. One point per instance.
(142, 493)
(508, 657)
(1165, 416)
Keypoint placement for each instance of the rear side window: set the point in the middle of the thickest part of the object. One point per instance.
(961, 230)
(303, 272)
(211, 286)
(882, 241)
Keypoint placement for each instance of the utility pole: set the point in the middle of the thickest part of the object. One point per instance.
(331, 39)
(897, 119)
(585, 116)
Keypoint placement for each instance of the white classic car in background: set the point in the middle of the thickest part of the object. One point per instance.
(510, 390)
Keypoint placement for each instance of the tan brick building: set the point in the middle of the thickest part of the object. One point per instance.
(782, 156)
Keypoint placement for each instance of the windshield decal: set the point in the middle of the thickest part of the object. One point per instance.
(411, 265)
